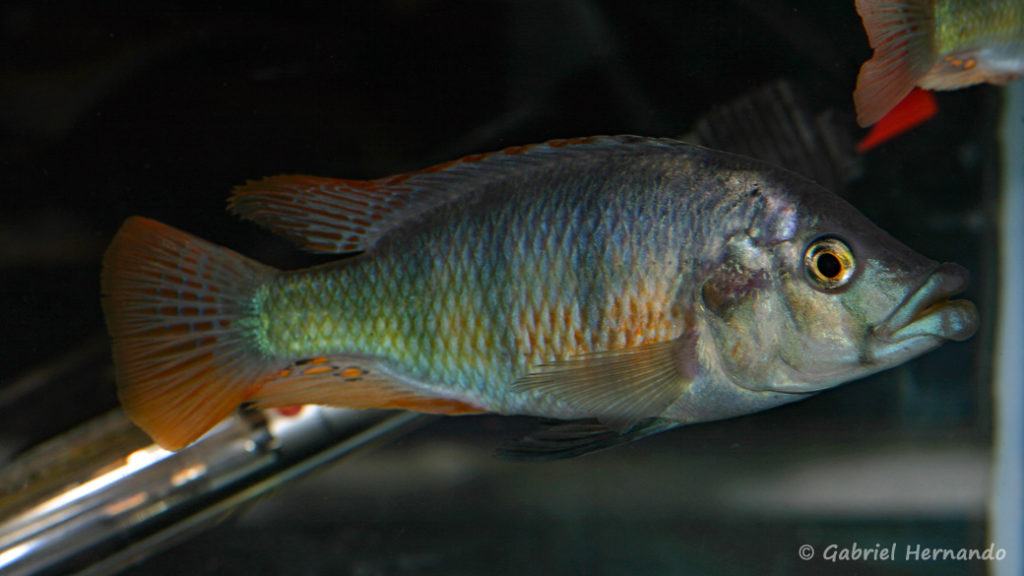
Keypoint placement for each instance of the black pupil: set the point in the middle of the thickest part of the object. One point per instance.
(828, 265)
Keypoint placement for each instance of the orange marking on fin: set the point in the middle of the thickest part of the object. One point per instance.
(319, 360)
(317, 370)
(559, 143)
(428, 405)
(439, 167)
(918, 107)
(352, 372)
(289, 411)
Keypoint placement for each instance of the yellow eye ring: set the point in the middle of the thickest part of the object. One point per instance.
(829, 263)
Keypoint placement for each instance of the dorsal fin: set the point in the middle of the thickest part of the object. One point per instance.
(331, 215)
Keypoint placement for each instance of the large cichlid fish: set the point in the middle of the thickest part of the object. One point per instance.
(637, 284)
(937, 45)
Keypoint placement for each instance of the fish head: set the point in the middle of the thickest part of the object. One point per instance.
(815, 295)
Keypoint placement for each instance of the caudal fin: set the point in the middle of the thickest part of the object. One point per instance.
(900, 31)
(176, 308)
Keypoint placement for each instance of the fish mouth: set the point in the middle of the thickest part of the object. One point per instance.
(927, 317)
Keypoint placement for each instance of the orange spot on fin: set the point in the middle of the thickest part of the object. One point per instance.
(346, 385)
(351, 372)
(918, 107)
(172, 304)
(316, 370)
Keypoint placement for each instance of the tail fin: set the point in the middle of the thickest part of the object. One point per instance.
(176, 307)
(900, 31)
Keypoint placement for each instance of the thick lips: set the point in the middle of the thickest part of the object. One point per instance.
(929, 313)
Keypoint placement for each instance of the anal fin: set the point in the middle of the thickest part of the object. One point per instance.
(348, 382)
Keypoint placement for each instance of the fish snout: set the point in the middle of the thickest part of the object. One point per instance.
(928, 311)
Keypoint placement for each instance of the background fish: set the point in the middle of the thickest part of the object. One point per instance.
(642, 283)
(937, 45)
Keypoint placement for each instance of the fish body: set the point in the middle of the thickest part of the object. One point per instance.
(937, 45)
(643, 283)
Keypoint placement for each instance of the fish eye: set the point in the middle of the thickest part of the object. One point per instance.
(829, 263)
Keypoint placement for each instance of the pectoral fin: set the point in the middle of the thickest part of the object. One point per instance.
(570, 439)
(622, 387)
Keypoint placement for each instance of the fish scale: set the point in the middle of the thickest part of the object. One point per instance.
(465, 348)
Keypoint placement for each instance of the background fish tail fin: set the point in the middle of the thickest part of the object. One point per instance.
(900, 32)
(176, 308)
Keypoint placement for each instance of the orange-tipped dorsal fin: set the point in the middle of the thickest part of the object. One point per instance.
(176, 307)
(900, 31)
(336, 216)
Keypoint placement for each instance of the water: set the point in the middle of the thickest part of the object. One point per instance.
(157, 112)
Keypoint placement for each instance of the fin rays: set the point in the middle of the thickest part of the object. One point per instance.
(571, 439)
(900, 33)
(621, 387)
(173, 305)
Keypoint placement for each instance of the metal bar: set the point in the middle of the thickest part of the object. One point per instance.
(100, 498)
(1007, 512)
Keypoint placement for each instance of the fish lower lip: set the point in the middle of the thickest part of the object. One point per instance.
(928, 311)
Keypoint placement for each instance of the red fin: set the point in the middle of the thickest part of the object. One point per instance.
(900, 32)
(332, 215)
(173, 304)
(351, 383)
(917, 108)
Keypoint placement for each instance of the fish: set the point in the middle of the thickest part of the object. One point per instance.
(937, 45)
(620, 285)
